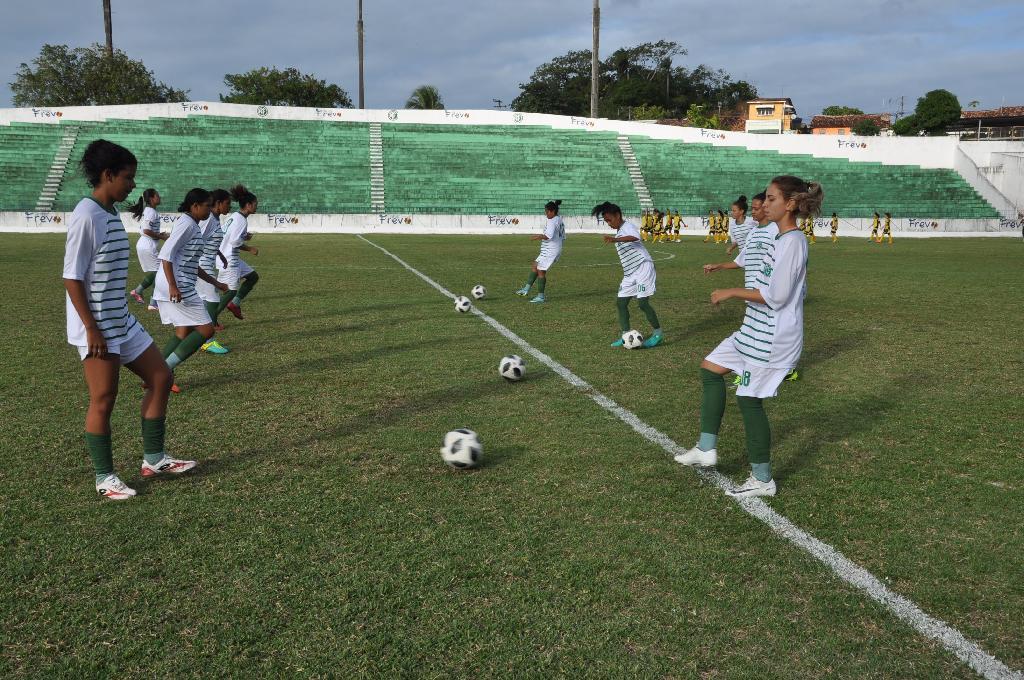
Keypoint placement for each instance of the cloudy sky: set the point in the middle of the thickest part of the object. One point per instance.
(864, 53)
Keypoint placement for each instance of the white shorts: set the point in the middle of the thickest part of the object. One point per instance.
(207, 291)
(641, 283)
(232, 275)
(147, 253)
(190, 312)
(756, 380)
(545, 262)
(130, 348)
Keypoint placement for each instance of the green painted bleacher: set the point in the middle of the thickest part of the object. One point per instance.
(293, 166)
(26, 154)
(500, 169)
(694, 178)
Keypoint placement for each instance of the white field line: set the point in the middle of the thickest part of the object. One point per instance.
(901, 607)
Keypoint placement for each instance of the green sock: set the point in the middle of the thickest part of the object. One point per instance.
(189, 346)
(213, 309)
(712, 408)
(153, 439)
(225, 299)
(247, 283)
(530, 280)
(648, 310)
(171, 345)
(102, 454)
(622, 304)
(759, 436)
(147, 281)
(541, 283)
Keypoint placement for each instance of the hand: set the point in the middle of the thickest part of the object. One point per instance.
(173, 292)
(254, 250)
(96, 344)
(248, 235)
(222, 287)
(609, 239)
(164, 235)
(710, 268)
(720, 295)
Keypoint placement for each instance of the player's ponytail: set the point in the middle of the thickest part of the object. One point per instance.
(218, 195)
(807, 196)
(553, 205)
(741, 203)
(242, 196)
(605, 208)
(194, 196)
(141, 204)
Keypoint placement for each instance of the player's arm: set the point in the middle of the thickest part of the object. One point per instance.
(158, 235)
(540, 237)
(620, 239)
(249, 249)
(746, 294)
(711, 268)
(201, 273)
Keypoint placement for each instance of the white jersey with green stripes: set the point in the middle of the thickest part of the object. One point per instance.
(632, 254)
(213, 235)
(739, 231)
(96, 253)
(555, 232)
(182, 249)
(776, 265)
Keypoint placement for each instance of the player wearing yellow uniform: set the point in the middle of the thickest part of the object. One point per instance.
(711, 225)
(677, 222)
(887, 229)
(874, 228)
(835, 228)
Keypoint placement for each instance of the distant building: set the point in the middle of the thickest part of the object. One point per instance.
(1006, 122)
(843, 125)
(771, 116)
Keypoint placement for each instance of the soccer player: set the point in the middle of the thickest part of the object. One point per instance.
(809, 229)
(638, 274)
(233, 269)
(100, 326)
(887, 229)
(213, 235)
(874, 228)
(550, 250)
(181, 305)
(643, 224)
(769, 341)
(835, 228)
(149, 229)
(723, 227)
(677, 222)
(739, 224)
(712, 225)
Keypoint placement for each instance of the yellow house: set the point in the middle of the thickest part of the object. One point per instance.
(770, 116)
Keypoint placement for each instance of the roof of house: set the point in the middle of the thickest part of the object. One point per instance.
(1002, 112)
(883, 120)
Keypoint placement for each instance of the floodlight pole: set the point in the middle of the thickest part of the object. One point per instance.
(359, 31)
(593, 59)
(108, 28)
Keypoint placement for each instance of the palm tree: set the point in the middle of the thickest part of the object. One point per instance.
(425, 97)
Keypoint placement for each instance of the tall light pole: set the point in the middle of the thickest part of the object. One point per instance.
(359, 31)
(108, 28)
(593, 59)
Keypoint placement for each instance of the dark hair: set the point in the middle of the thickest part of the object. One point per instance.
(807, 195)
(760, 197)
(143, 201)
(605, 208)
(741, 203)
(218, 195)
(194, 196)
(720, 213)
(553, 205)
(888, 214)
(242, 195)
(102, 155)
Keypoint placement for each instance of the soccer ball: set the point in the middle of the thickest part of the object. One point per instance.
(632, 339)
(512, 368)
(462, 449)
(462, 304)
(479, 292)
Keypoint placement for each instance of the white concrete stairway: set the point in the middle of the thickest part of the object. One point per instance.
(635, 174)
(56, 175)
(376, 169)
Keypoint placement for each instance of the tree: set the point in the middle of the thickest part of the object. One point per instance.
(283, 87)
(906, 127)
(936, 111)
(560, 86)
(841, 111)
(88, 76)
(652, 112)
(696, 117)
(425, 97)
(866, 128)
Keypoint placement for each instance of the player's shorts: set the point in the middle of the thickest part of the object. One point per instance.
(188, 312)
(207, 291)
(641, 283)
(130, 348)
(545, 262)
(755, 380)
(147, 251)
(232, 275)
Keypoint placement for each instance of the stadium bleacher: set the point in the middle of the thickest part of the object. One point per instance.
(304, 166)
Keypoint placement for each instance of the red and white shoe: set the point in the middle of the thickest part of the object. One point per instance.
(138, 298)
(236, 310)
(167, 465)
(112, 488)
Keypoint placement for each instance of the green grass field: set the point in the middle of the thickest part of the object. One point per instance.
(323, 536)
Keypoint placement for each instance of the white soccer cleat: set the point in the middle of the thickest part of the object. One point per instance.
(167, 465)
(753, 487)
(112, 488)
(697, 458)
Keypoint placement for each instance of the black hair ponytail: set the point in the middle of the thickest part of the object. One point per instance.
(194, 196)
(242, 196)
(218, 195)
(553, 205)
(102, 155)
(605, 208)
(741, 203)
(140, 205)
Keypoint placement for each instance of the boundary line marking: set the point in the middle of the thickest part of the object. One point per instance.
(901, 607)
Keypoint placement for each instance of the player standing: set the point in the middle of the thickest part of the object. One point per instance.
(550, 250)
(835, 228)
(739, 225)
(149, 229)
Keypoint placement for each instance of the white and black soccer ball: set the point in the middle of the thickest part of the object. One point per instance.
(462, 304)
(462, 449)
(512, 368)
(632, 340)
(479, 292)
